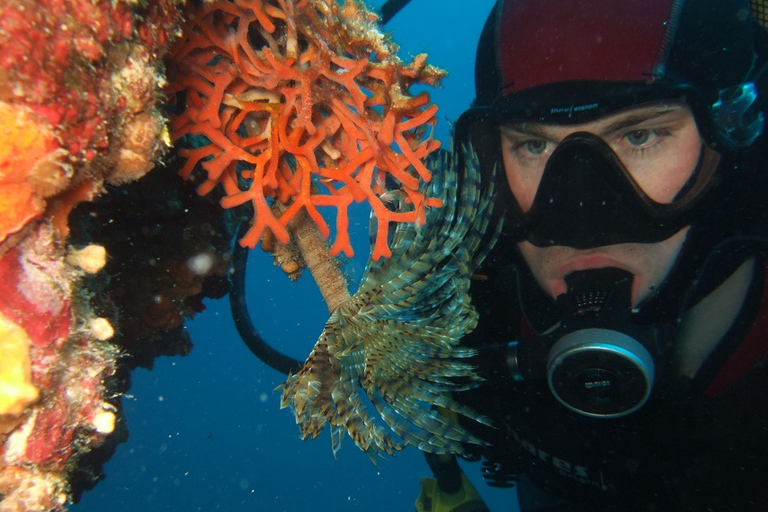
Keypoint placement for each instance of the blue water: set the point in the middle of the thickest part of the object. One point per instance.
(206, 430)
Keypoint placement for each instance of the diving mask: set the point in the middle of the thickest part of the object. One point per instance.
(588, 198)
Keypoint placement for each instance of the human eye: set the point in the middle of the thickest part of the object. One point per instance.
(639, 138)
(529, 149)
(533, 147)
(640, 141)
(525, 148)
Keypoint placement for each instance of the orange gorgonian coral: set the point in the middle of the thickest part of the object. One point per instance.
(303, 102)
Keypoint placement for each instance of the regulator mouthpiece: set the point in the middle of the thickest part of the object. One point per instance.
(597, 362)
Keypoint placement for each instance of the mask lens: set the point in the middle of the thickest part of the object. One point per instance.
(659, 159)
(581, 193)
(586, 196)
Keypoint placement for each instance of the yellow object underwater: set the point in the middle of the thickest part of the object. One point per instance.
(16, 389)
(432, 499)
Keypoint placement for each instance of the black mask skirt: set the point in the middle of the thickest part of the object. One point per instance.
(587, 198)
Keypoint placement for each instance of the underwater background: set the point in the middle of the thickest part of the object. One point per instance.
(206, 430)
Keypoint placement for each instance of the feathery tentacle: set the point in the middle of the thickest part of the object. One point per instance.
(395, 344)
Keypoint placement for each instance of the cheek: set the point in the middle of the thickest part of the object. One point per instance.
(543, 263)
(522, 184)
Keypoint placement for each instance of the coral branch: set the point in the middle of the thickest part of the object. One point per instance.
(305, 103)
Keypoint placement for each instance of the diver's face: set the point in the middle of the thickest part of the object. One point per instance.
(658, 143)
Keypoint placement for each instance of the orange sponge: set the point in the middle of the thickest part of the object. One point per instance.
(32, 167)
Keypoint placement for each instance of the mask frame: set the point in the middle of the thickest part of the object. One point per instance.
(586, 209)
(588, 198)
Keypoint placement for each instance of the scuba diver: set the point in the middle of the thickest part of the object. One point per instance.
(624, 312)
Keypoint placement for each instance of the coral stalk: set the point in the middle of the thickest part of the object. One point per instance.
(325, 268)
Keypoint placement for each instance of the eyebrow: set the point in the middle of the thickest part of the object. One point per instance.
(540, 130)
(640, 118)
(537, 130)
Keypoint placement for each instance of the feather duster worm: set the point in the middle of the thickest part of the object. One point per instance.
(396, 342)
(305, 103)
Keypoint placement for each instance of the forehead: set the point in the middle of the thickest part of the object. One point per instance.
(619, 120)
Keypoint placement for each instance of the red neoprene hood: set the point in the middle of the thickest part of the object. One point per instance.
(610, 40)
(559, 60)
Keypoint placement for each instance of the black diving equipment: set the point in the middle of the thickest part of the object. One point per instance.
(597, 361)
(735, 115)
(588, 198)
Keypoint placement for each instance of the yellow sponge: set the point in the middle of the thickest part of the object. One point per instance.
(16, 389)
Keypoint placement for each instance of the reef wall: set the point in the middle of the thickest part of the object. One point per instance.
(80, 85)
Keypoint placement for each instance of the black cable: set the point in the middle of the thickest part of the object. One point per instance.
(242, 318)
(447, 472)
(390, 8)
